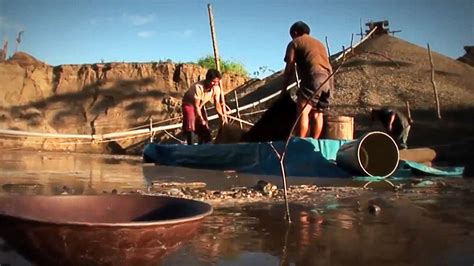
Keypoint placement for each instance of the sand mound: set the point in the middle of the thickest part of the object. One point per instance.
(24, 59)
(386, 70)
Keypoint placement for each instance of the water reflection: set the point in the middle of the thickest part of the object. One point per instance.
(411, 228)
(57, 173)
(400, 234)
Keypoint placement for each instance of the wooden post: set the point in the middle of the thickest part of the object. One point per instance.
(3, 55)
(151, 130)
(435, 90)
(240, 120)
(216, 55)
(213, 36)
(18, 40)
(327, 45)
(237, 107)
(352, 41)
(410, 120)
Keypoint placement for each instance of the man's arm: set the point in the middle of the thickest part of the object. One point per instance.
(220, 107)
(197, 111)
(289, 72)
(288, 75)
(390, 122)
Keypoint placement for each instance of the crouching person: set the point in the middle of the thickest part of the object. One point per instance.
(396, 124)
(194, 114)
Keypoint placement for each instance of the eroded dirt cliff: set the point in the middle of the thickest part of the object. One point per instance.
(91, 98)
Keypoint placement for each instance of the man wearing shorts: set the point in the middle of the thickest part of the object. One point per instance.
(194, 114)
(313, 69)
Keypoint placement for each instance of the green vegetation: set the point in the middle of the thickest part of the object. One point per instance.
(227, 66)
(262, 71)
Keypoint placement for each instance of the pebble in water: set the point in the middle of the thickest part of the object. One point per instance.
(374, 209)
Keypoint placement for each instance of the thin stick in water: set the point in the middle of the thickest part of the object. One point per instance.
(281, 156)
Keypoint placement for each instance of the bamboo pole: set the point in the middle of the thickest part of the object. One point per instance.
(151, 132)
(435, 90)
(237, 107)
(19, 133)
(352, 43)
(410, 120)
(254, 113)
(4, 55)
(345, 52)
(327, 45)
(240, 120)
(213, 36)
(216, 55)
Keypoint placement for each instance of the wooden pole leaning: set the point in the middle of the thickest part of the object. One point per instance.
(241, 121)
(435, 90)
(237, 107)
(327, 45)
(216, 56)
(407, 105)
(213, 36)
(352, 43)
(152, 134)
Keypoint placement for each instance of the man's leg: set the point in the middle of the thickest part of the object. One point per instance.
(404, 137)
(205, 137)
(398, 136)
(322, 103)
(303, 123)
(318, 124)
(189, 121)
(318, 114)
(189, 137)
(203, 133)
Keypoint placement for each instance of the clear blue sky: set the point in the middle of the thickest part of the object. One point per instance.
(255, 33)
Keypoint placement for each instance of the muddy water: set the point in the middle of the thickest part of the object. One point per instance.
(63, 173)
(416, 226)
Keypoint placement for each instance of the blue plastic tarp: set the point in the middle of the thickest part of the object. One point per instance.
(304, 157)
